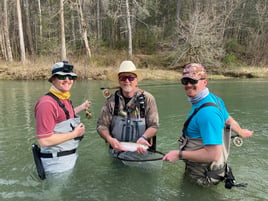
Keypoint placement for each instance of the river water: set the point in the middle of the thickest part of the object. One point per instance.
(98, 177)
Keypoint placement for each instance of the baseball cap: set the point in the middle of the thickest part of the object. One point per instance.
(62, 68)
(194, 71)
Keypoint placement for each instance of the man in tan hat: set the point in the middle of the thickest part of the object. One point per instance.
(203, 146)
(130, 114)
(58, 128)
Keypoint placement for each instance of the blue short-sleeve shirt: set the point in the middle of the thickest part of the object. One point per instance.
(208, 122)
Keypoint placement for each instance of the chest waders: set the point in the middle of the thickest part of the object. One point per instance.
(60, 157)
(125, 126)
(205, 173)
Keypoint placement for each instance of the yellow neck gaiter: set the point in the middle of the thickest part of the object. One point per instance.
(59, 94)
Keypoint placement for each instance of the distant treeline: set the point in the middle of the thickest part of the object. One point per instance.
(213, 32)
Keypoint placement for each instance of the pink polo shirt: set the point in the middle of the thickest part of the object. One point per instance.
(48, 113)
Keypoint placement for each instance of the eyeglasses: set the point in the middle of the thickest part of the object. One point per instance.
(124, 78)
(63, 77)
(186, 80)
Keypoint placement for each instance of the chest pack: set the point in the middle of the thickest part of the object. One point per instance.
(126, 126)
(128, 123)
(131, 105)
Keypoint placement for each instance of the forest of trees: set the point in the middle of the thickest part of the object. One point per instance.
(218, 32)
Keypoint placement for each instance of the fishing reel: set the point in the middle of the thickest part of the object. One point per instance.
(238, 141)
(106, 93)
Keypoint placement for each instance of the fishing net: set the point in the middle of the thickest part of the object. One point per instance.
(148, 160)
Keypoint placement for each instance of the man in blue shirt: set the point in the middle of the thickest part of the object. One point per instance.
(203, 145)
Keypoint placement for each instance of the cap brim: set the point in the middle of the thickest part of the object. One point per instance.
(189, 76)
(62, 73)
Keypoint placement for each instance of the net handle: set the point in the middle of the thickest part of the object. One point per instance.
(143, 160)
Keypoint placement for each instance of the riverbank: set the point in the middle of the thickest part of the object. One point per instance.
(93, 70)
(99, 73)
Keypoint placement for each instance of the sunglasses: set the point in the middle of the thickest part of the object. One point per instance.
(124, 78)
(185, 81)
(63, 77)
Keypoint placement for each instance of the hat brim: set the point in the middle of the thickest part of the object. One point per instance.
(189, 76)
(62, 73)
(193, 77)
(113, 76)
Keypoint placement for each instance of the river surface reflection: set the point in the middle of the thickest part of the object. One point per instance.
(98, 177)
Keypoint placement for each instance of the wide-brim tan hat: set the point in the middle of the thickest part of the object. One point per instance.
(125, 67)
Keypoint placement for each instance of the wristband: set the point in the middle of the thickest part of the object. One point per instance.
(143, 137)
(180, 155)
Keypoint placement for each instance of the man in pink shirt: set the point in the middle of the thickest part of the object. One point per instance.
(58, 127)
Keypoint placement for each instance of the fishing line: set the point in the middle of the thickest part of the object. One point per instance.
(143, 85)
(260, 130)
(106, 93)
(87, 111)
(163, 84)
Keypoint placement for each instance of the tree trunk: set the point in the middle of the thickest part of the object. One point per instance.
(73, 29)
(3, 49)
(22, 46)
(28, 28)
(63, 44)
(6, 34)
(40, 20)
(129, 31)
(84, 29)
(99, 31)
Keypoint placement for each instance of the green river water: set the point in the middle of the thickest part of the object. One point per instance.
(97, 177)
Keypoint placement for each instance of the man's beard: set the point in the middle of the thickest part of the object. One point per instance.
(127, 89)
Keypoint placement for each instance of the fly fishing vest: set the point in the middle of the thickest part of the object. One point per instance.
(61, 157)
(205, 173)
(125, 128)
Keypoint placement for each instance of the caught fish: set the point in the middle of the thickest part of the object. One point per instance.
(131, 146)
(89, 114)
